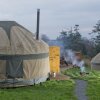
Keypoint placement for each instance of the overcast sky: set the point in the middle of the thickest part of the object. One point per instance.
(55, 14)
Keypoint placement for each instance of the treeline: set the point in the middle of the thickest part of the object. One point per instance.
(73, 40)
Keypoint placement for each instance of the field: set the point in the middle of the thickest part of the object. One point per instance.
(50, 90)
(75, 73)
(93, 89)
(93, 80)
(56, 90)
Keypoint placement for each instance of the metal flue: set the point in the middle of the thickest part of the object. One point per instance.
(38, 24)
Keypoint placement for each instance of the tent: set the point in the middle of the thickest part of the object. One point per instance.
(23, 59)
(95, 63)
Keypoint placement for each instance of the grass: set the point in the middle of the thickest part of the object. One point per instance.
(50, 90)
(93, 80)
(93, 89)
(75, 74)
(56, 90)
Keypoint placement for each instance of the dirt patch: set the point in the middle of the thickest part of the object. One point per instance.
(60, 77)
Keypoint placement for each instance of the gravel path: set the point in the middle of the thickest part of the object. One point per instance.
(80, 89)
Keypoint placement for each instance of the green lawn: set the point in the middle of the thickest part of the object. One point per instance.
(93, 89)
(93, 79)
(56, 90)
(75, 73)
(50, 90)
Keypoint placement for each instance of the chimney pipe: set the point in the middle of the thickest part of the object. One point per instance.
(38, 23)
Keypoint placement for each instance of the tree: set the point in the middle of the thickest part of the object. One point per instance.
(90, 47)
(73, 40)
(63, 38)
(97, 38)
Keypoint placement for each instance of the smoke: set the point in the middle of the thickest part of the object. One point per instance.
(69, 56)
(59, 44)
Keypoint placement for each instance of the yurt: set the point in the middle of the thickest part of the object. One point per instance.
(23, 59)
(95, 63)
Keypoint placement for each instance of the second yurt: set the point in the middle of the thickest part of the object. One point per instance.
(95, 63)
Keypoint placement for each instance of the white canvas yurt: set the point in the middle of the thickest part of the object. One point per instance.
(23, 59)
(95, 63)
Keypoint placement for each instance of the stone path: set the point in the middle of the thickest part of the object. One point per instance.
(80, 89)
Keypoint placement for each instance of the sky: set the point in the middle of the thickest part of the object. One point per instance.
(56, 15)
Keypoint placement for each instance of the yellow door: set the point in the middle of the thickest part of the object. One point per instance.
(54, 58)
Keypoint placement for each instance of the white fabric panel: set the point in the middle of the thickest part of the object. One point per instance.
(36, 68)
(4, 42)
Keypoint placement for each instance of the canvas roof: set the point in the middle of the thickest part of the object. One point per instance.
(15, 39)
(96, 59)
